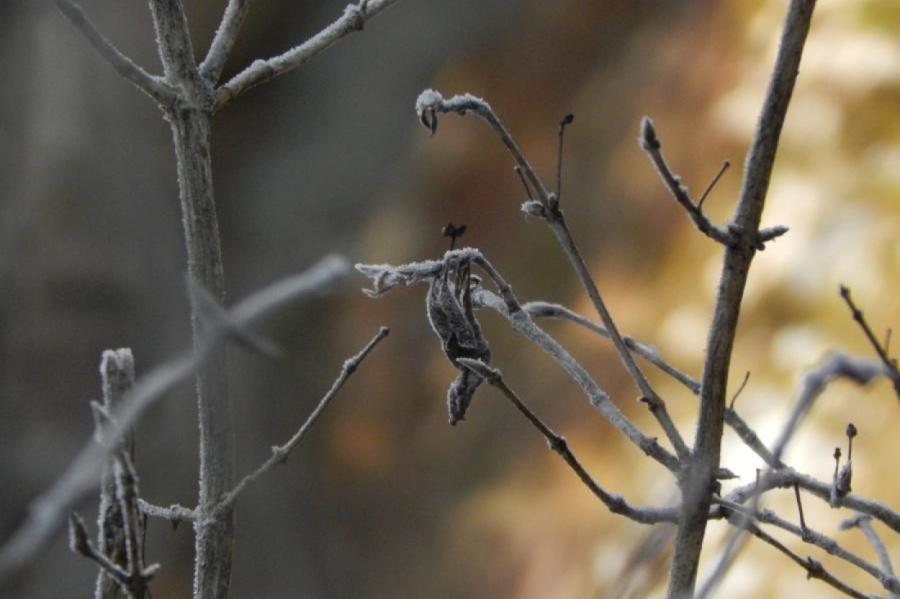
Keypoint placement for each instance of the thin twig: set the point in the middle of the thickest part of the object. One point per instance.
(712, 184)
(223, 42)
(863, 522)
(814, 569)
(860, 318)
(428, 105)
(566, 120)
(49, 511)
(788, 477)
(651, 145)
(261, 71)
(800, 508)
(175, 514)
(740, 390)
(812, 537)
(557, 443)
(153, 86)
(550, 310)
(280, 453)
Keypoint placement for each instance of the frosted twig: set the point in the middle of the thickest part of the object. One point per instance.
(863, 522)
(280, 453)
(153, 86)
(651, 145)
(540, 309)
(838, 365)
(814, 568)
(48, 511)
(522, 323)
(811, 537)
(546, 205)
(260, 71)
(557, 443)
(889, 363)
(223, 42)
(788, 477)
(175, 514)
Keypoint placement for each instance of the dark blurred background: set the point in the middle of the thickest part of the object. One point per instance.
(383, 499)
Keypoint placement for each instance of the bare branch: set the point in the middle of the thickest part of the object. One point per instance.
(175, 514)
(261, 71)
(173, 42)
(49, 510)
(889, 363)
(151, 85)
(812, 537)
(223, 42)
(733, 278)
(814, 569)
(428, 105)
(280, 453)
(788, 477)
(557, 443)
(838, 365)
(651, 145)
(551, 310)
(863, 522)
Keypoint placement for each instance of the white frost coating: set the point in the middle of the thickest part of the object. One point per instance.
(428, 99)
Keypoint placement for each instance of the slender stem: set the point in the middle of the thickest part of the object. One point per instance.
(698, 486)
(860, 319)
(557, 443)
(261, 71)
(280, 453)
(154, 87)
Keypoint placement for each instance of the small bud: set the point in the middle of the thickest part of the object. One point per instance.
(78, 538)
(837, 454)
(851, 431)
(647, 138)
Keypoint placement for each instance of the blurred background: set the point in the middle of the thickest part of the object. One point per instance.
(383, 498)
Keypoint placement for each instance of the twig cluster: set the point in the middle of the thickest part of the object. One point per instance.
(696, 470)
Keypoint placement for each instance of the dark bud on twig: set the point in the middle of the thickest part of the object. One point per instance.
(647, 138)
(566, 120)
(851, 431)
(453, 232)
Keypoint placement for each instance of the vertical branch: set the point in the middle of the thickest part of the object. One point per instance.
(698, 485)
(117, 378)
(189, 120)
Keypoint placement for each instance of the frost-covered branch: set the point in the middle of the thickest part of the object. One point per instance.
(175, 514)
(280, 453)
(863, 522)
(557, 443)
(48, 511)
(811, 537)
(260, 71)
(153, 86)
(814, 568)
(223, 41)
(550, 310)
(546, 206)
